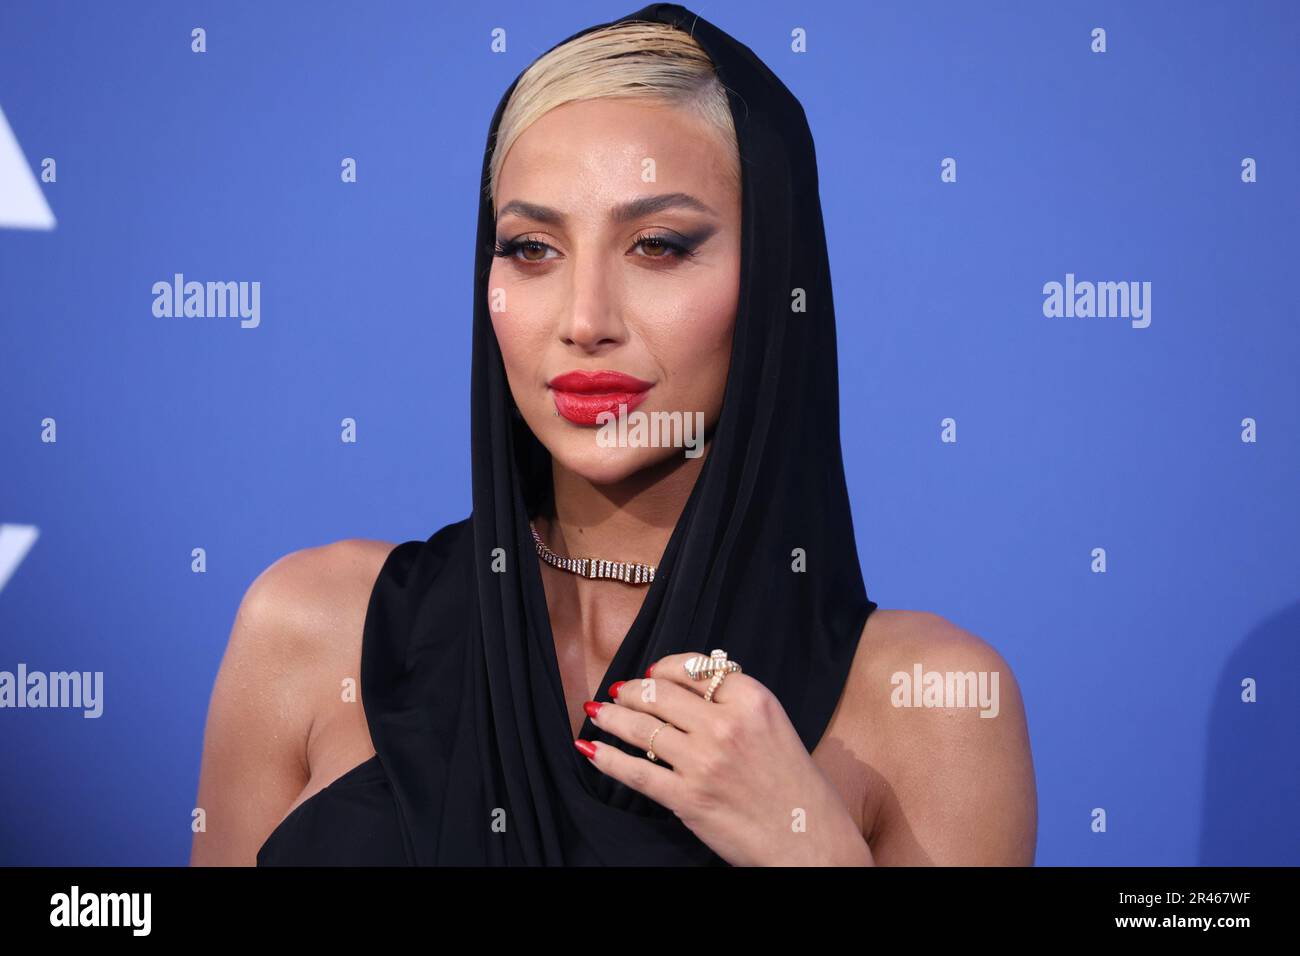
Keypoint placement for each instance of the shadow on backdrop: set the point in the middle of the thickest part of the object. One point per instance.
(1252, 774)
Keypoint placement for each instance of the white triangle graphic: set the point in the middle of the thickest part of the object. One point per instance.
(22, 204)
(15, 541)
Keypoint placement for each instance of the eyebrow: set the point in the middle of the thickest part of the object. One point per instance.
(625, 212)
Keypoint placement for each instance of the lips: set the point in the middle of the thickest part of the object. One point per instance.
(582, 396)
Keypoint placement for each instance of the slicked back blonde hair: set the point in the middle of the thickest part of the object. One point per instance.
(632, 58)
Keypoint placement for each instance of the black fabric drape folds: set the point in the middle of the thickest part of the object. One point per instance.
(460, 676)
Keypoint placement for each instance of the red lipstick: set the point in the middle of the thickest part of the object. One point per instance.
(582, 396)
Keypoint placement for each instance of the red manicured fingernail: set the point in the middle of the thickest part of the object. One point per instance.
(586, 746)
(649, 669)
(613, 688)
(592, 708)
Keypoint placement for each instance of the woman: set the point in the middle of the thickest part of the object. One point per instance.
(650, 243)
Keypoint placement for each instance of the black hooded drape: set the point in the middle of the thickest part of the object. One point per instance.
(460, 678)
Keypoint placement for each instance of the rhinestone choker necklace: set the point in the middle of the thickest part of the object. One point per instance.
(629, 572)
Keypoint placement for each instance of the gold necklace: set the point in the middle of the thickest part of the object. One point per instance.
(629, 572)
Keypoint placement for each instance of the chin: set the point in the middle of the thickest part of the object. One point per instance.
(605, 466)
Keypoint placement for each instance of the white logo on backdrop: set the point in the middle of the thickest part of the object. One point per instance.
(15, 541)
(22, 204)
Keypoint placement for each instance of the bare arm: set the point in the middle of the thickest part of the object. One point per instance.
(960, 787)
(255, 742)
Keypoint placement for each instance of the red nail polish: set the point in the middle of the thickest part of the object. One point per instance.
(592, 708)
(649, 669)
(613, 688)
(587, 747)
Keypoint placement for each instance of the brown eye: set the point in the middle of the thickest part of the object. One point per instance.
(537, 247)
(660, 247)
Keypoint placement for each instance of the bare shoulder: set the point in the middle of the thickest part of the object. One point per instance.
(296, 631)
(898, 639)
(307, 611)
(292, 603)
(944, 726)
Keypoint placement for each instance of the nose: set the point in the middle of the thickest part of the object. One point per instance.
(592, 320)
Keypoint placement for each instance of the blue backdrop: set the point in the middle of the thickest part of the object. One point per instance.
(1073, 433)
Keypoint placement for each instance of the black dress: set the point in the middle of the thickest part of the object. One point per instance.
(352, 822)
(475, 763)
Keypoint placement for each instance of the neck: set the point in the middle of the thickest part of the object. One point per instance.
(629, 520)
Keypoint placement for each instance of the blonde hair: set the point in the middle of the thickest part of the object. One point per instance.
(631, 58)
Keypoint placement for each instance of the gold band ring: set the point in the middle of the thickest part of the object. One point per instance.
(651, 752)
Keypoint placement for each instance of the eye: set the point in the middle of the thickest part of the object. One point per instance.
(661, 247)
(529, 247)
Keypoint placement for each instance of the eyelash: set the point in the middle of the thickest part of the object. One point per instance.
(507, 250)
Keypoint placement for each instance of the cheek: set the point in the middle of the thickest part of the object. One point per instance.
(517, 336)
(694, 343)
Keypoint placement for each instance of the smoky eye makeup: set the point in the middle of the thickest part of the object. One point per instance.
(694, 239)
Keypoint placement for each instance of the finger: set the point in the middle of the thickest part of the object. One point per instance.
(680, 707)
(670, 745)
(672, 668)
(658, 783)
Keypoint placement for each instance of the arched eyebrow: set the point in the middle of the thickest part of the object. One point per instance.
(625, 212)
